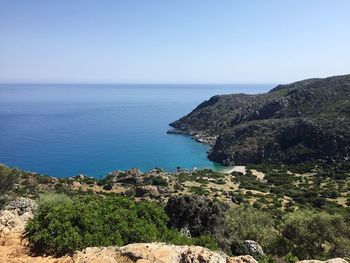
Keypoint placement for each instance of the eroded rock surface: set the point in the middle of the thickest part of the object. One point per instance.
(15, 215)
(333, 260)
(162, 253)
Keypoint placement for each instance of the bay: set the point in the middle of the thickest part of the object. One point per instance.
(67, 129)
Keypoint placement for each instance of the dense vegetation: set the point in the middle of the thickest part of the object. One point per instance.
(293, 211)
(304, 121)
(200, 216)
(305, 234)
(63, 225)
(8, 178)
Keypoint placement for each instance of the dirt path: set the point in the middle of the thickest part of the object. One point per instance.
(14, 250)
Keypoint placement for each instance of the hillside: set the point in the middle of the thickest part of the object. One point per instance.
(219, 211)
(307, 120)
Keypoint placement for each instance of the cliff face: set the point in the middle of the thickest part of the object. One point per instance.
(302, 121)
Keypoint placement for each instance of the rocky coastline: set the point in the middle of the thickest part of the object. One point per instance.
(198, 136)
(306, 121)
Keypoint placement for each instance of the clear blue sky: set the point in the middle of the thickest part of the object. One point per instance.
(178, 41)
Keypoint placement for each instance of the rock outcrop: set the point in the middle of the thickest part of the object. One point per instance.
(156, 253)
(100, 255)
(15, 215)
(333, 260)
(252, 247)
(159, 253)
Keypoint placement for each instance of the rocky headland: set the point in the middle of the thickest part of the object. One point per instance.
(307, 120)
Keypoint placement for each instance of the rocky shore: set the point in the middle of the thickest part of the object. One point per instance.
(200, 137)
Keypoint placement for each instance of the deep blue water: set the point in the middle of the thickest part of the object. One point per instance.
(63, 130)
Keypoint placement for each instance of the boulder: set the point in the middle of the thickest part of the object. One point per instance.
(243, 259)
(333, 260)
(153, 253)
(76, 184)
(147, 190)
(162, 253)
(252, 247)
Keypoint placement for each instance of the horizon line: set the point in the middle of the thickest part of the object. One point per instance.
(136, 83)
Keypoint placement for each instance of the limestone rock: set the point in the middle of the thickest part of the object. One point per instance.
(100, 255)
(147, 190)
(162, 253)
(333, 260)
(243, 259)
(76, 184)
(253, 248)
(15, 215)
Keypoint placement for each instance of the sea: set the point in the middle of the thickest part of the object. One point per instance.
(67, 129)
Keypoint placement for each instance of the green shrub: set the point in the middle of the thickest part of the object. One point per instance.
(206, 241)
(290, 258)
(155, 180)
(267, 259)
(311, 234)
(200, 191)
(201, 216)
(62, 224)
(8, 178)
(247, 223)
(248, 181)
(3, 201)
(43, 179)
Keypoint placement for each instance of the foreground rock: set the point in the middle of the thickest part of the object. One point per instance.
(100, 255)
(15, 215)
(156, 253)
(333, 260)
(253, 248)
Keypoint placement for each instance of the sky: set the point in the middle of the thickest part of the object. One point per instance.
(178, 41)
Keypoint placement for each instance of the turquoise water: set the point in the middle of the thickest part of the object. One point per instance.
(63, 130)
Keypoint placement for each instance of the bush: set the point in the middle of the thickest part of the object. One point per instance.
(8, 178)
(291, 258)
(311, 234)
(155, 180)
(206, 241)
(3, 201)
(62, 224)
(108, 187)
(201, 216)
(247, 223)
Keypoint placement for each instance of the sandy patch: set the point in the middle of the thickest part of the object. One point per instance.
(259, 175)
(231, 169)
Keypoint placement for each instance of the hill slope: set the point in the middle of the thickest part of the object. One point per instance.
(303, 121)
